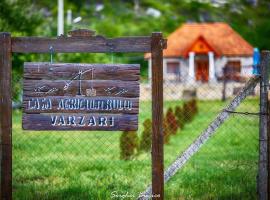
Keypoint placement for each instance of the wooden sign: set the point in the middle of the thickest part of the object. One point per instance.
(67, 96)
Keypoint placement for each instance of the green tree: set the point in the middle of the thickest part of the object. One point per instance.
(166, 132)
(171, 122)
(179, 116)
(146, 139)
(18, 18)
(128, 144)
(120, 18)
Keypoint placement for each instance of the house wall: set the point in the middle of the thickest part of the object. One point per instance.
(183, 69)
(246, 63)
(246, 69)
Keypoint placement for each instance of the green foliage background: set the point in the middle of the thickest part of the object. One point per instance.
(120, 18)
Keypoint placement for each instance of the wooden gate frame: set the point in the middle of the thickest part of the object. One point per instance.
(81, 41)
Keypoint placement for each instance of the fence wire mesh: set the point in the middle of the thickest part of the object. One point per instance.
(117, 165)
(226, 165)
(79, 164)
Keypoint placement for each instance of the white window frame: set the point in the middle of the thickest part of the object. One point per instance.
(167, 60)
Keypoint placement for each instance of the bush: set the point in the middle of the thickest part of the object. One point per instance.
(171, 121)
(194, 106)
(179, 114)
(146, 140)
(166, 133)
(188, 115)
(190, 109)
(128, 144)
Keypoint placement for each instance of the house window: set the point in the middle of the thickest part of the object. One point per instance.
(233, 70)
(173, 67)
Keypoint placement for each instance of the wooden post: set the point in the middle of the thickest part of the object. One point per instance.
(264, 85)
(268, 146)
(5, 116)
(157, 116)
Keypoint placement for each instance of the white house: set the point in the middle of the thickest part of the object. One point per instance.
(198, 52)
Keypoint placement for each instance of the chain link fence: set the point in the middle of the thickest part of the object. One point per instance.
(227, 164)
(117, 165)
(78, 164)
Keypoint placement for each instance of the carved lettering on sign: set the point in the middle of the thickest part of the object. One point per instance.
(79, 101)
(80, 104)
(82, 121)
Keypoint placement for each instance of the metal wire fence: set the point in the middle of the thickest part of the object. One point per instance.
(78, 164)
(117, 165)
(226, 165)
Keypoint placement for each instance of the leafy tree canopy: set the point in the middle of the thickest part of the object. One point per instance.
(131, 17)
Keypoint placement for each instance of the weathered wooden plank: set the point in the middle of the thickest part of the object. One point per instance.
(263, 136)
(65, 71)
(96, 44)
(113, 88)
(70, 90)
(54, 104)
(80, 122)
(157, 117)
(5, 117)
(268, 146)
(82, 33)
(184, 156)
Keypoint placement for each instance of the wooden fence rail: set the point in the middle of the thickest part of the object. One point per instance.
(80, 41)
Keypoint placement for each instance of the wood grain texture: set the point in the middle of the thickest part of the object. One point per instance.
(43, 88)
(81, 33)
(54, 104)
(263, 135)
(157, 117)
(69, 89)
(95, 44)
(5, 117)
(56, 71)
(268, 146)
(44, 122)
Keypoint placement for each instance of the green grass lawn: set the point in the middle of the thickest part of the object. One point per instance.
(86, 165)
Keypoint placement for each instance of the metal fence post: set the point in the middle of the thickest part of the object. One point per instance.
(263, 157)
(5, 117)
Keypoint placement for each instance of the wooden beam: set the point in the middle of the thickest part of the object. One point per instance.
(86, 105)
(5, 116)
(264, 85)
(91, 44)
(268, 146)
(157, 116)
(56, 71)
(82, 122)
(131, 88)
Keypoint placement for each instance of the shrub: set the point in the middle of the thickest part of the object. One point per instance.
(171, 121)
(194, 106)
(146, 140)
(187, 111)
(179, 114)
(166, 133)
(128, 144)
(190, 109)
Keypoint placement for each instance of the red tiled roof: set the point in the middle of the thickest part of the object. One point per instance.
(220, 36)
